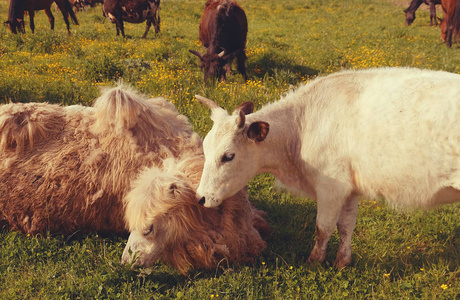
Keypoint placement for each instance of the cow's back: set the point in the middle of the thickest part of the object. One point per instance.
(384, 128)
(224, 25)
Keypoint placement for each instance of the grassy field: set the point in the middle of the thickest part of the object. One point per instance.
(396, 255)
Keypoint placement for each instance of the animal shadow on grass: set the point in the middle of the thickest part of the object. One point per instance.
(292, 224)
(280, 70)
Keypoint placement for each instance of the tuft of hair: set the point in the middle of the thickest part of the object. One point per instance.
(126, 112)
(23, 125)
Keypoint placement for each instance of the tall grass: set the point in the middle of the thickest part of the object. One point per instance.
(396, 255)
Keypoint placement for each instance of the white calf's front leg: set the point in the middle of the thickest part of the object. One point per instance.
(345, 227)
(330, 200)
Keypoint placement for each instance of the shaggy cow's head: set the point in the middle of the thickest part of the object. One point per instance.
(167, 224)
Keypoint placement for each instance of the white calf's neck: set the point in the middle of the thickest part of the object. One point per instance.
(279, 153)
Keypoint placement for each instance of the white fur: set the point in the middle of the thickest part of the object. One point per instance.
(389, 132)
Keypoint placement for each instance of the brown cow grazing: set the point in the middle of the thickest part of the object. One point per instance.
(415, 4)
(17, 8)
(133, 11)
(223, 31)
(450, 24)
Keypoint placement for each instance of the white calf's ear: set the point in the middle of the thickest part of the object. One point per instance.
(242, 110)
(258, 131)
(246, 107)
(240, 120)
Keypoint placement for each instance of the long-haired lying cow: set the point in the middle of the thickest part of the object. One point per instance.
(390, 132)
(68, 169)
(167, 223)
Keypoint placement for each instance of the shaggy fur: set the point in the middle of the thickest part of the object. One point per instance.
(167, 223)
(65, 169)
(68, 169)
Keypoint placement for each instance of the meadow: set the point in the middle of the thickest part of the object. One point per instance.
(396, 255)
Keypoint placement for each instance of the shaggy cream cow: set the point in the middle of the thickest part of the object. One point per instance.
(68, 169)
(390, 132)
(176, 229)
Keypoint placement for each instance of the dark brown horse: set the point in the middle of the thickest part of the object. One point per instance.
(450, 24)
(415, 4)
(17, 8)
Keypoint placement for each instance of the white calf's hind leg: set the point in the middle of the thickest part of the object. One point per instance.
(345, 227)
(331, 199)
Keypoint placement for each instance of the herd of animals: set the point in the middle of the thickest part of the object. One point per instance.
(130, 164)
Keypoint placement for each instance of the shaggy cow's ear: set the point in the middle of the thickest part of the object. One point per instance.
(258, 131)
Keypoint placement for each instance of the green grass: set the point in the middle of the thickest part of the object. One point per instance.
(395, 255)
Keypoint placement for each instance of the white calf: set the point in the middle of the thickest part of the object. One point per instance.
(390, 132)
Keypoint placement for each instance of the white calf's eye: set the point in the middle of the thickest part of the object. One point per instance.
(148, 231)
(228, 157)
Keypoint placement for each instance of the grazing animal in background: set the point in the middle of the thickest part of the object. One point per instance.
(17, 8)
(415, 4)
(68, 170)
(82, 4)
(450, 24)
(223, 32)
(342, 136)
(133, 11)
(167, 223)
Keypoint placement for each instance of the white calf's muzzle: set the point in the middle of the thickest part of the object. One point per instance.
(209, 201)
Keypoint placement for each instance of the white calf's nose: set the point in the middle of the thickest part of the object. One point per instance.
(202, 201)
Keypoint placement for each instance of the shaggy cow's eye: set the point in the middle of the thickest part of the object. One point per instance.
(228, 157)
(148, 230)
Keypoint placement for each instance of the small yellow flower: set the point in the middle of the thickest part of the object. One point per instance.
(290, 268)
(387, 275)
(263, 263)
(444, 286)
(422, 269)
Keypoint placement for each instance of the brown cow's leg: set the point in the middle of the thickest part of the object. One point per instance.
(147, 27)
(433, 19)
(50, 17)
(31, 19)
(156, 21)
(240, 59)
(65, 14)
(120, 27)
